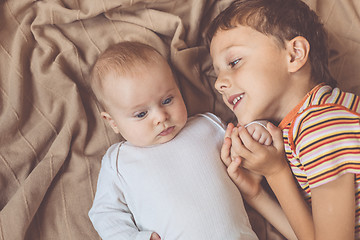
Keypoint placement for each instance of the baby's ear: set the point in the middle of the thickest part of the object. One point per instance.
(110, 121)
(298, 53)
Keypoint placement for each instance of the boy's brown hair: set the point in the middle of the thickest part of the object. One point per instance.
(284, 20)
(120, 59)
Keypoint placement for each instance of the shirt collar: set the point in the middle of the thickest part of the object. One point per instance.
(292, 114)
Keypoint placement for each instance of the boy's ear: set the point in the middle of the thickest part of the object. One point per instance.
(298, 50)
(110, 121)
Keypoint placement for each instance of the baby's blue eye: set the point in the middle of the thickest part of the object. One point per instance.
(167, 101)
(233, 63)
(141, 115)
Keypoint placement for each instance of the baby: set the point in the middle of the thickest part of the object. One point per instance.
(166, 181)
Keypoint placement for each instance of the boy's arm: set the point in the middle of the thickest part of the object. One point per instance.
(255, 195)
(270, 161)
(270, 209)
(333, 207)
(250, 186)
(292, 202)
(333, 203)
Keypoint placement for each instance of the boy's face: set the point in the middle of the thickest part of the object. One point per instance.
(252, 73)
(146, 109)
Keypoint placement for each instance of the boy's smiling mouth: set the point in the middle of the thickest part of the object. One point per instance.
(235, 99)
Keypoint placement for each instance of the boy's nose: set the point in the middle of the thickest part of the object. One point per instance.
(222, 83)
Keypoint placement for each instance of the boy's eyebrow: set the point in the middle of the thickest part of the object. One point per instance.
(238, 45)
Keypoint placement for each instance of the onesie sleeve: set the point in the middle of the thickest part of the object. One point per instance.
(109, 213)
(328, 144)
(215, 119)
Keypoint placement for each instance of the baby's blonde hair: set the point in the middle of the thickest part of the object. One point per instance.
(120, 59)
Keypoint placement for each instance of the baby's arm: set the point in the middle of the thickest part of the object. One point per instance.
(109, 213)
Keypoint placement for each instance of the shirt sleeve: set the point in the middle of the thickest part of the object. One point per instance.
(109, 213)
(328, 144)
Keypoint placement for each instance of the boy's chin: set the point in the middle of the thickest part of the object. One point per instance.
(240, 121)
(243, 121)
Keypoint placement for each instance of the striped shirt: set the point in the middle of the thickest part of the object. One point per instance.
(322, 140)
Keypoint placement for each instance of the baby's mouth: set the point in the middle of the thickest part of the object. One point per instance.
(167, 131)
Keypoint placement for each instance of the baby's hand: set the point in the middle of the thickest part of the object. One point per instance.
(259, 158)
(155, 236)
(258, 131)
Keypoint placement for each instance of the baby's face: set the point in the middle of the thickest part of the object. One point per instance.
(146, 109)
(252, 73)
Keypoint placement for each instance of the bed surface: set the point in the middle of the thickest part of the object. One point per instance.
(51, 135)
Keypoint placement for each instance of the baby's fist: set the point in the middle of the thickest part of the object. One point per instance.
(259, 133)
(155, 236)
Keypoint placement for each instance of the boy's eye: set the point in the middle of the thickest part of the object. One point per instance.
(233, 63)
(167, 101)
(141, 115)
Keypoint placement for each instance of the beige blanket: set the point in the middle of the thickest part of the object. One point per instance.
(51, 136)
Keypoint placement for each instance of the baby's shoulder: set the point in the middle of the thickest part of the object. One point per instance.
(111, 155)
(209, 117)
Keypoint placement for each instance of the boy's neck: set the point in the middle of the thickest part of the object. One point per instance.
(298, 88)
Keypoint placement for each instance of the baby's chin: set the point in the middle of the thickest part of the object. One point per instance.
(155, 142)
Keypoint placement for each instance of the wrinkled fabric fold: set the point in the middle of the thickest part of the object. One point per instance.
(52, 137)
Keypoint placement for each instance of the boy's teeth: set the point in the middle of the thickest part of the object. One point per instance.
(237, 99)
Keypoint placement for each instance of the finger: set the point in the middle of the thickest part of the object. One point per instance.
(233, 154)
(237, 146)
(247, 140)
(225, 151)
(256, 135)
(251, 129)
(261, 140)
(268, 140)
(265, 138)
(276, 135)
(233, 168)
(229, 129)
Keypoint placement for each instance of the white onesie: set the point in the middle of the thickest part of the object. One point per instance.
(179, 189)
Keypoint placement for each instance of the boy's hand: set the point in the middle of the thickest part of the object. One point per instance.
(247, 182)
(264, 160)
(155, 236)
(259, 133)
(225, 149)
